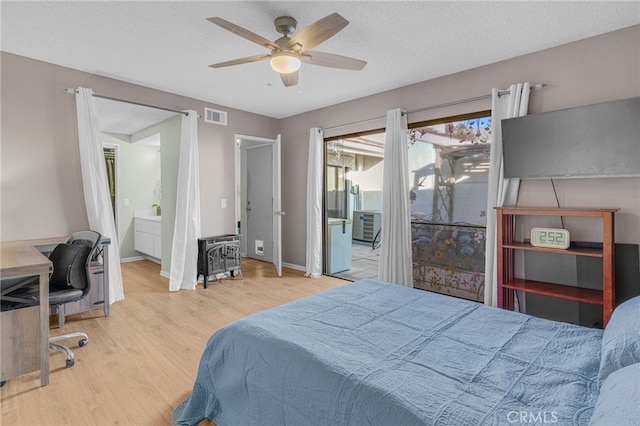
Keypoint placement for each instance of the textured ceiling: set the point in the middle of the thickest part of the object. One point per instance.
(169, 45)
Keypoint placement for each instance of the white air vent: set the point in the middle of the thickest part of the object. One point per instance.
(214, 116)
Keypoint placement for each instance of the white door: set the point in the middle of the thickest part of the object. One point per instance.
(245, 207)
(277, 207)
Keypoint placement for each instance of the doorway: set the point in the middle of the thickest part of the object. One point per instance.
(146, 142)
(111, 162)
(448, 165)
(257, 198)
(353, 205)
(258, 203)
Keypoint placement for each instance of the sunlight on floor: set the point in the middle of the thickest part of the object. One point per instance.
(364, 263)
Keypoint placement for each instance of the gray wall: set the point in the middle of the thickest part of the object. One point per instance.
(40, 178)
(597, 69)
(40, 174)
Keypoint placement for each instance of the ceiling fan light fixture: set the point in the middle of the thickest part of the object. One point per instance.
(286, 54)
(285, 62)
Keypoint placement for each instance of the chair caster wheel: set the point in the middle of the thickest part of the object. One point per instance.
(70, 362)
(2, 383)
(82, 342)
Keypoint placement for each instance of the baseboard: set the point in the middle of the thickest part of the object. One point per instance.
(136, 258)
(294, 266)
(132, 259)
(164, 274)
(153, 259)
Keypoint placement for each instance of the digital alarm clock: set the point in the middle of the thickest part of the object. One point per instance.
(550, 238)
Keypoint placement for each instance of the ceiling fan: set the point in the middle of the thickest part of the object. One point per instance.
(287, 54)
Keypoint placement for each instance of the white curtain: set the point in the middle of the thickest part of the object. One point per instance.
(184, 252)
(502, 192)
(314, 204)
(96, 187)
(395, 264)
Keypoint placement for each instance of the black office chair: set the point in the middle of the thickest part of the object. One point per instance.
(69, 282)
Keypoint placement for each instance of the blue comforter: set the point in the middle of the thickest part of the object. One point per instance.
(373, 353)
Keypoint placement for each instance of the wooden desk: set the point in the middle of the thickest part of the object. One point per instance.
(25, 332)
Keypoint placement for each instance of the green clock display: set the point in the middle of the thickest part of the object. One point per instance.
(550, 238)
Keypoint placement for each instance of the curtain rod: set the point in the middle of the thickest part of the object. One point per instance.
(537, 86)
(73, 91)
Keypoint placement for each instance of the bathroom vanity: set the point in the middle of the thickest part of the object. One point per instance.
(147, 236)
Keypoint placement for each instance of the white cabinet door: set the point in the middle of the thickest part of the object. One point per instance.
(144, 243)
(157, 247)
(147, 238)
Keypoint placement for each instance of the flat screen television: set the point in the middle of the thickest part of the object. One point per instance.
(599, 140)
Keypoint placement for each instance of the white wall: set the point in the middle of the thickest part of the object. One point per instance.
(169, 131)
(138, 170)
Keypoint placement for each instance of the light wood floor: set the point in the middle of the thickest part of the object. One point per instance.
(142, 360)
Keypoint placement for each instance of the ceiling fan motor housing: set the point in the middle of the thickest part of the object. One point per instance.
(285, 25)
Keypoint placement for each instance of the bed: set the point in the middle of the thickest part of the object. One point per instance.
(374, 353)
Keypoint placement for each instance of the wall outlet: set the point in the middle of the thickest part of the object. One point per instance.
(126, 202)
(260, 247)
(223, 203)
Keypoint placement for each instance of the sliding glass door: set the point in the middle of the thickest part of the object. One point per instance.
(449, 164)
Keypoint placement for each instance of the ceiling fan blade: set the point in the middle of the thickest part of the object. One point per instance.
(318, 32)
(239, 61)
(332, 61)
(251, 36)
(290, 79)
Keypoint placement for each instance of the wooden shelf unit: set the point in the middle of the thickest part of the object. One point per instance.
(508, 283)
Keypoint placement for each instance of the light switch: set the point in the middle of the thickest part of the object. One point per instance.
(223, 203)
(125, 202)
